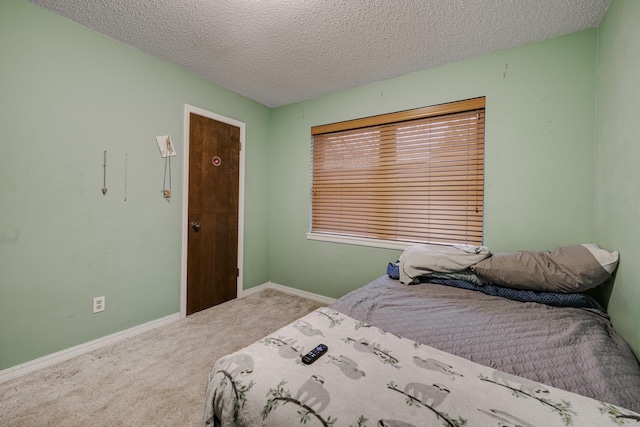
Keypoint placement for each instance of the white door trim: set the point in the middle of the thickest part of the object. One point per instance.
(188, 109)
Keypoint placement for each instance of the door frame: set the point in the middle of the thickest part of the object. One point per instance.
(188, 109)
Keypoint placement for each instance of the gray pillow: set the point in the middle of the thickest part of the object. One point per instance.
(568, 269)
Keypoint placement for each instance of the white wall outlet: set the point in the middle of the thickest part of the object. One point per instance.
(98, 304)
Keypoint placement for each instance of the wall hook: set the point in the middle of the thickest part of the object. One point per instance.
(104, 177)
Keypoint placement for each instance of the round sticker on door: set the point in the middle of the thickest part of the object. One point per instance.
(216, 161)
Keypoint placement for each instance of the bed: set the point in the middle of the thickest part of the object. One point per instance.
(431, 354)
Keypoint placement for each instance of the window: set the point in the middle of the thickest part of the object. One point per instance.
(413, 176)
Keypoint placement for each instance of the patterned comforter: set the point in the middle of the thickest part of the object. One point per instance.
(574, 349)
(370, 377)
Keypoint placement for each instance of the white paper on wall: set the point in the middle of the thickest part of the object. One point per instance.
(166, 146)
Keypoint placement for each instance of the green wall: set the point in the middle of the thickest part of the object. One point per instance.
(66, 95)
(540, 167)
(618, 158)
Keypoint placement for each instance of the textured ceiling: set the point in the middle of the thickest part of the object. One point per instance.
(282, 51)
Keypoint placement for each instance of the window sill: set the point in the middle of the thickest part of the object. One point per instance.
(360, 241)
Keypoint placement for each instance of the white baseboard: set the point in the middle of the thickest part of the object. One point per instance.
(61, 356)
(289, 290)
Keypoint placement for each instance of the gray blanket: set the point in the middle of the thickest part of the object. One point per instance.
(568, 348)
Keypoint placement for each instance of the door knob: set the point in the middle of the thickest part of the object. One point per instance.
(195, 226)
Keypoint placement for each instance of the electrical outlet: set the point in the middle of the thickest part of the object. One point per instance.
(98, 304)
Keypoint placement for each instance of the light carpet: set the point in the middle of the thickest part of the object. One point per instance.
(154, 379)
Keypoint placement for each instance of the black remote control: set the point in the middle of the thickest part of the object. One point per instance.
(314, 354)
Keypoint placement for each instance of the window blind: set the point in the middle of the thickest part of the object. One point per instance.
(414, 176)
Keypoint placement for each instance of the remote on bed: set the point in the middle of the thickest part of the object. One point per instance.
(314, 354)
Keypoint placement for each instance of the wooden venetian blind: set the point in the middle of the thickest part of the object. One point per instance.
(413, 176)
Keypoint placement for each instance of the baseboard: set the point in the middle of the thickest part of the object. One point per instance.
(61, 356)
(289, 290)
(254, 290)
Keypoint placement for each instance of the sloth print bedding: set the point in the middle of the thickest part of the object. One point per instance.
(369, 377)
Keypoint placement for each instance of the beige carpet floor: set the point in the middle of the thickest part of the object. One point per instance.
(154, 379)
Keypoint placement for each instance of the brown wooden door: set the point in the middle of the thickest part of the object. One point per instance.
(212, 250)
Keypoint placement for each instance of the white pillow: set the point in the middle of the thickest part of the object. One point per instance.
(608, 260)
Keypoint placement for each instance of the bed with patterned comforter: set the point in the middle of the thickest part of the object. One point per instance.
(391, 374)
